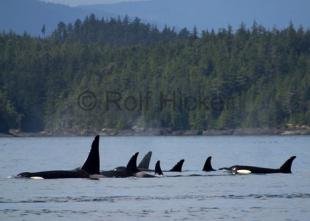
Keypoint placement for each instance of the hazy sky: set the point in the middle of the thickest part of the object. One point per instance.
(87, 2)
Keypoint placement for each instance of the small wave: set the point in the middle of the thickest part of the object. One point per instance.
(113, 199)
(269, 196)
(45, 211)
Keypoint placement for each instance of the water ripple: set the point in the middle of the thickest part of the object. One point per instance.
(113, 199)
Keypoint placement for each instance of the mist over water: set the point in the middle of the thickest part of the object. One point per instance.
(215, 196)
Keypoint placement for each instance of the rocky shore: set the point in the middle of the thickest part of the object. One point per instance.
(289, 130)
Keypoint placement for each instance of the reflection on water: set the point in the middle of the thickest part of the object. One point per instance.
(213, 196)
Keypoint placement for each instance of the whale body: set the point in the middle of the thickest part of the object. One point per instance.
(89, 168)
(285, 168)
(131, 170)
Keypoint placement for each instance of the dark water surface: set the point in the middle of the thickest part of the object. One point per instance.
(216, 196)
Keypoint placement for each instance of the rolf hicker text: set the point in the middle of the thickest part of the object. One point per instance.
(175, 100)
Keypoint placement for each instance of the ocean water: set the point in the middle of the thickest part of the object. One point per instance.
(213, 196)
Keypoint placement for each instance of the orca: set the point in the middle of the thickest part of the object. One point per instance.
(145, 162)
(122, 172)
(90, 168)
(158, 170)
(131, 170)
(143, 166)
(239, 169)
(143, 174)
(177, 167)
(207, 166)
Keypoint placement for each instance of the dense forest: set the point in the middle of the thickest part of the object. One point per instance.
(133, 75)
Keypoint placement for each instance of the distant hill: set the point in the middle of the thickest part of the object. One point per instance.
(31, 15)
(207, 14)
(127, 75)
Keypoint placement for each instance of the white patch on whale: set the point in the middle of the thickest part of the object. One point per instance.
(37, 178)
(244, 172)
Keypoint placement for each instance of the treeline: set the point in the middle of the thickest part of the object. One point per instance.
(122, 73)
(115, 32)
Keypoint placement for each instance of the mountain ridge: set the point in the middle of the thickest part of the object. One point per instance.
(214, 14)
(31, 15)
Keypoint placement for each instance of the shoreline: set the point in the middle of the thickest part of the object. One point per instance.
(165, 132)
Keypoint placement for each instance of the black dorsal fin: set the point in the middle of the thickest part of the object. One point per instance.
(92, 163)
(132, 163)
(158, 169)
(208, 167)
(145, 162)
(178, 166)
(286, 167)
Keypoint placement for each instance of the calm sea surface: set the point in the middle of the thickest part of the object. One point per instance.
(215, 196)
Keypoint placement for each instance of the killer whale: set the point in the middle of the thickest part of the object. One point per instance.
(176, 168)
(90, 168)
(207, 167)
(122, 172)
(145, 162)
(158, 170)
(240, 169)
(131, 170)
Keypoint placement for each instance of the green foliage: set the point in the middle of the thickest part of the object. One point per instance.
(8, 116)
(238, 79)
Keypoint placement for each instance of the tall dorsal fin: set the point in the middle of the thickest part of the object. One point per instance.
(286, 167)
(208, 167)
(178, 166)
(132, 163)
(92, 163)
(158, 169)
(145, 162)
